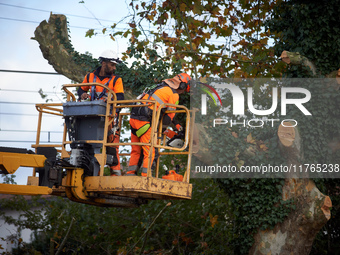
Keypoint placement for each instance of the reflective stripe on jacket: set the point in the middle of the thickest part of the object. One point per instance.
(114, 82)
(162, 94)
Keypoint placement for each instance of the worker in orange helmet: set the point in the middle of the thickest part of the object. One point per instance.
(105, 74)
(140, 120)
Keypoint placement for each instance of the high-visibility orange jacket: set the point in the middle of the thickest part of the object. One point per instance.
(161, 94)
(114, 82)
(140, 124)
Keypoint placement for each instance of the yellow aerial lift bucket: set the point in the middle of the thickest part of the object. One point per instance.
(78, 171)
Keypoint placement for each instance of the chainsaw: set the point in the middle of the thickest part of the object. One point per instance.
(174, 138)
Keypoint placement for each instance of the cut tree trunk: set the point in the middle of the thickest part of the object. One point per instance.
(295, 235)
(294, 58)
(52, 37)
(54, 43)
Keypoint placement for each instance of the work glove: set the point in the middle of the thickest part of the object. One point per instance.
(179, 127)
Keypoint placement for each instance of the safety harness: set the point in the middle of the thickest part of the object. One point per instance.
(144, 113)
(113, 129)
(98, 95)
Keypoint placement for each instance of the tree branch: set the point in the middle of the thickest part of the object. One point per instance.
(189, 38)
(66, 236)
(294, 58)
(148, 229)
(209, 54)
(52, 37)
(56, 47)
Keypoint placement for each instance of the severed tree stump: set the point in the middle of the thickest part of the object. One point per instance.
(296, 234)
(294, 58)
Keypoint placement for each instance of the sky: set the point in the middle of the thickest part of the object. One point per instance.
(19, 91)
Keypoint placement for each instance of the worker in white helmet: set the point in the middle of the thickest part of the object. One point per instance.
(105, 74)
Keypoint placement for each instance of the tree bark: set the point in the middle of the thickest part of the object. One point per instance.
(296, 234)
(200, 141)
(52, 37)
(294, 58)
(55, 45)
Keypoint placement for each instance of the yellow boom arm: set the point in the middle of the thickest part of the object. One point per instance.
(10, 162)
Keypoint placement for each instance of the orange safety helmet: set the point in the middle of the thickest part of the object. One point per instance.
(184, 85)
(180, 81)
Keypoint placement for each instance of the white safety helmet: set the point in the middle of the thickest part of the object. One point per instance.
(109, 55)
